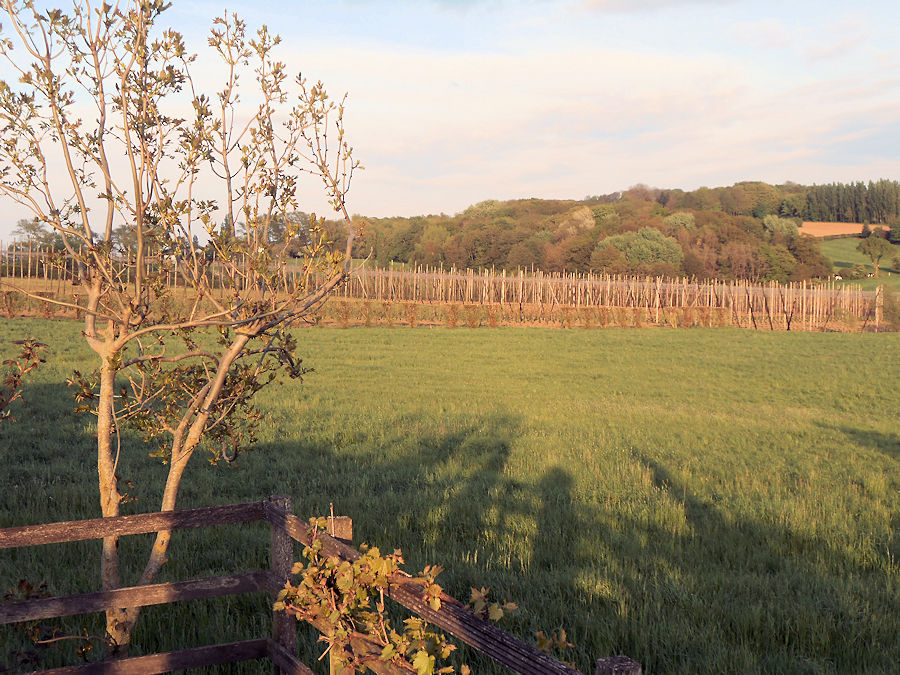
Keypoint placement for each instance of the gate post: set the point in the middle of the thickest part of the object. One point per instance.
(879, 306)
(281, 559)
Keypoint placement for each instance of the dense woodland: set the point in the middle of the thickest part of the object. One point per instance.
(746, 231)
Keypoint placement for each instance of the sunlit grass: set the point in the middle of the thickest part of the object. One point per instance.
(844, 254)
(701, 500)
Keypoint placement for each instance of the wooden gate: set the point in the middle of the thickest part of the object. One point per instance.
(280, 647)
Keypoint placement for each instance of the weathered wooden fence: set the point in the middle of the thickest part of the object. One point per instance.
(279, 648)
(771, 306)
(799, 305)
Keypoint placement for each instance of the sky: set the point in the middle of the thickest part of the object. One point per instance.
(451, 102)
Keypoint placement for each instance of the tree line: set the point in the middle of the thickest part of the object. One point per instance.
(746, 231)
(870, 203)
(875, 202)
(632, 233)
(749, 230)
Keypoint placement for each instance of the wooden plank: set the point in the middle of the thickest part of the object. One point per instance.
(134, 596)
(456, 619)
(298, 530)
(341, 528)
(98, 528)
(452, 617)
(617, 665)
(287, 662)
(195, 657)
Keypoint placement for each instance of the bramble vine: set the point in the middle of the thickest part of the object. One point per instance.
(556, 641)
(345, 601)
(492, 611)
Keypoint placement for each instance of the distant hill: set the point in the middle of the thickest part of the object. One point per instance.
(751, 230)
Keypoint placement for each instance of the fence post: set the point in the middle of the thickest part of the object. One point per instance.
(618, 665)
(879, 306)
(281, 559)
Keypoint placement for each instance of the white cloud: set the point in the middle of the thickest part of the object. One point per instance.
(435, 130)
(645, 5)
(439, 129)
(844, 36)
(763, 34)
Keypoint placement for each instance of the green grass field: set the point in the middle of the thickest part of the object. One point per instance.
(843, 255)
(703, 500)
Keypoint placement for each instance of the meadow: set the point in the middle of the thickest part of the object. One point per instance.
(843, 254)
(699, 499)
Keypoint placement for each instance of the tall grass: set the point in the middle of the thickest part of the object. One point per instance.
(701, 500)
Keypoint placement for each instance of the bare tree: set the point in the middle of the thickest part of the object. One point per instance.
(109, 96)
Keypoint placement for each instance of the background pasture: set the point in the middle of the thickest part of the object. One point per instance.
(844, 254)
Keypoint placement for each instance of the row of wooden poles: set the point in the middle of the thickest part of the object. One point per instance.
(799, 305)
(25, 260)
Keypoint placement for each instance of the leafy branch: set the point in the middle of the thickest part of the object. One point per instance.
(482, 607)
(30, 356)
(345, 602)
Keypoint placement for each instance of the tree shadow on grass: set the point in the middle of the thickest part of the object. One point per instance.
(758, 596)
(718, 592)
(887, 444)
(446, 497)
(428, 493)
(425, 489)
(709, 590)
(714, 590)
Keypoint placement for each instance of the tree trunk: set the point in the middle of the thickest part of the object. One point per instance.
(116, 619)
(181, 454)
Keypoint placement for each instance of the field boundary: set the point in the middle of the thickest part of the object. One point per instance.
(784, 306)
(38, 278)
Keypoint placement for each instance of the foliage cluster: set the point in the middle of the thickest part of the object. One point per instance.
(647, 247)
(746, 231)
(875, 248)
(15, 369)
(345, 601)
(699, 234)
(870, 203)
(35, 233)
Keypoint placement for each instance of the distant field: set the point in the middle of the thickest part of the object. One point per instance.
(818, 229)
(703, 500)
(844, 255)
